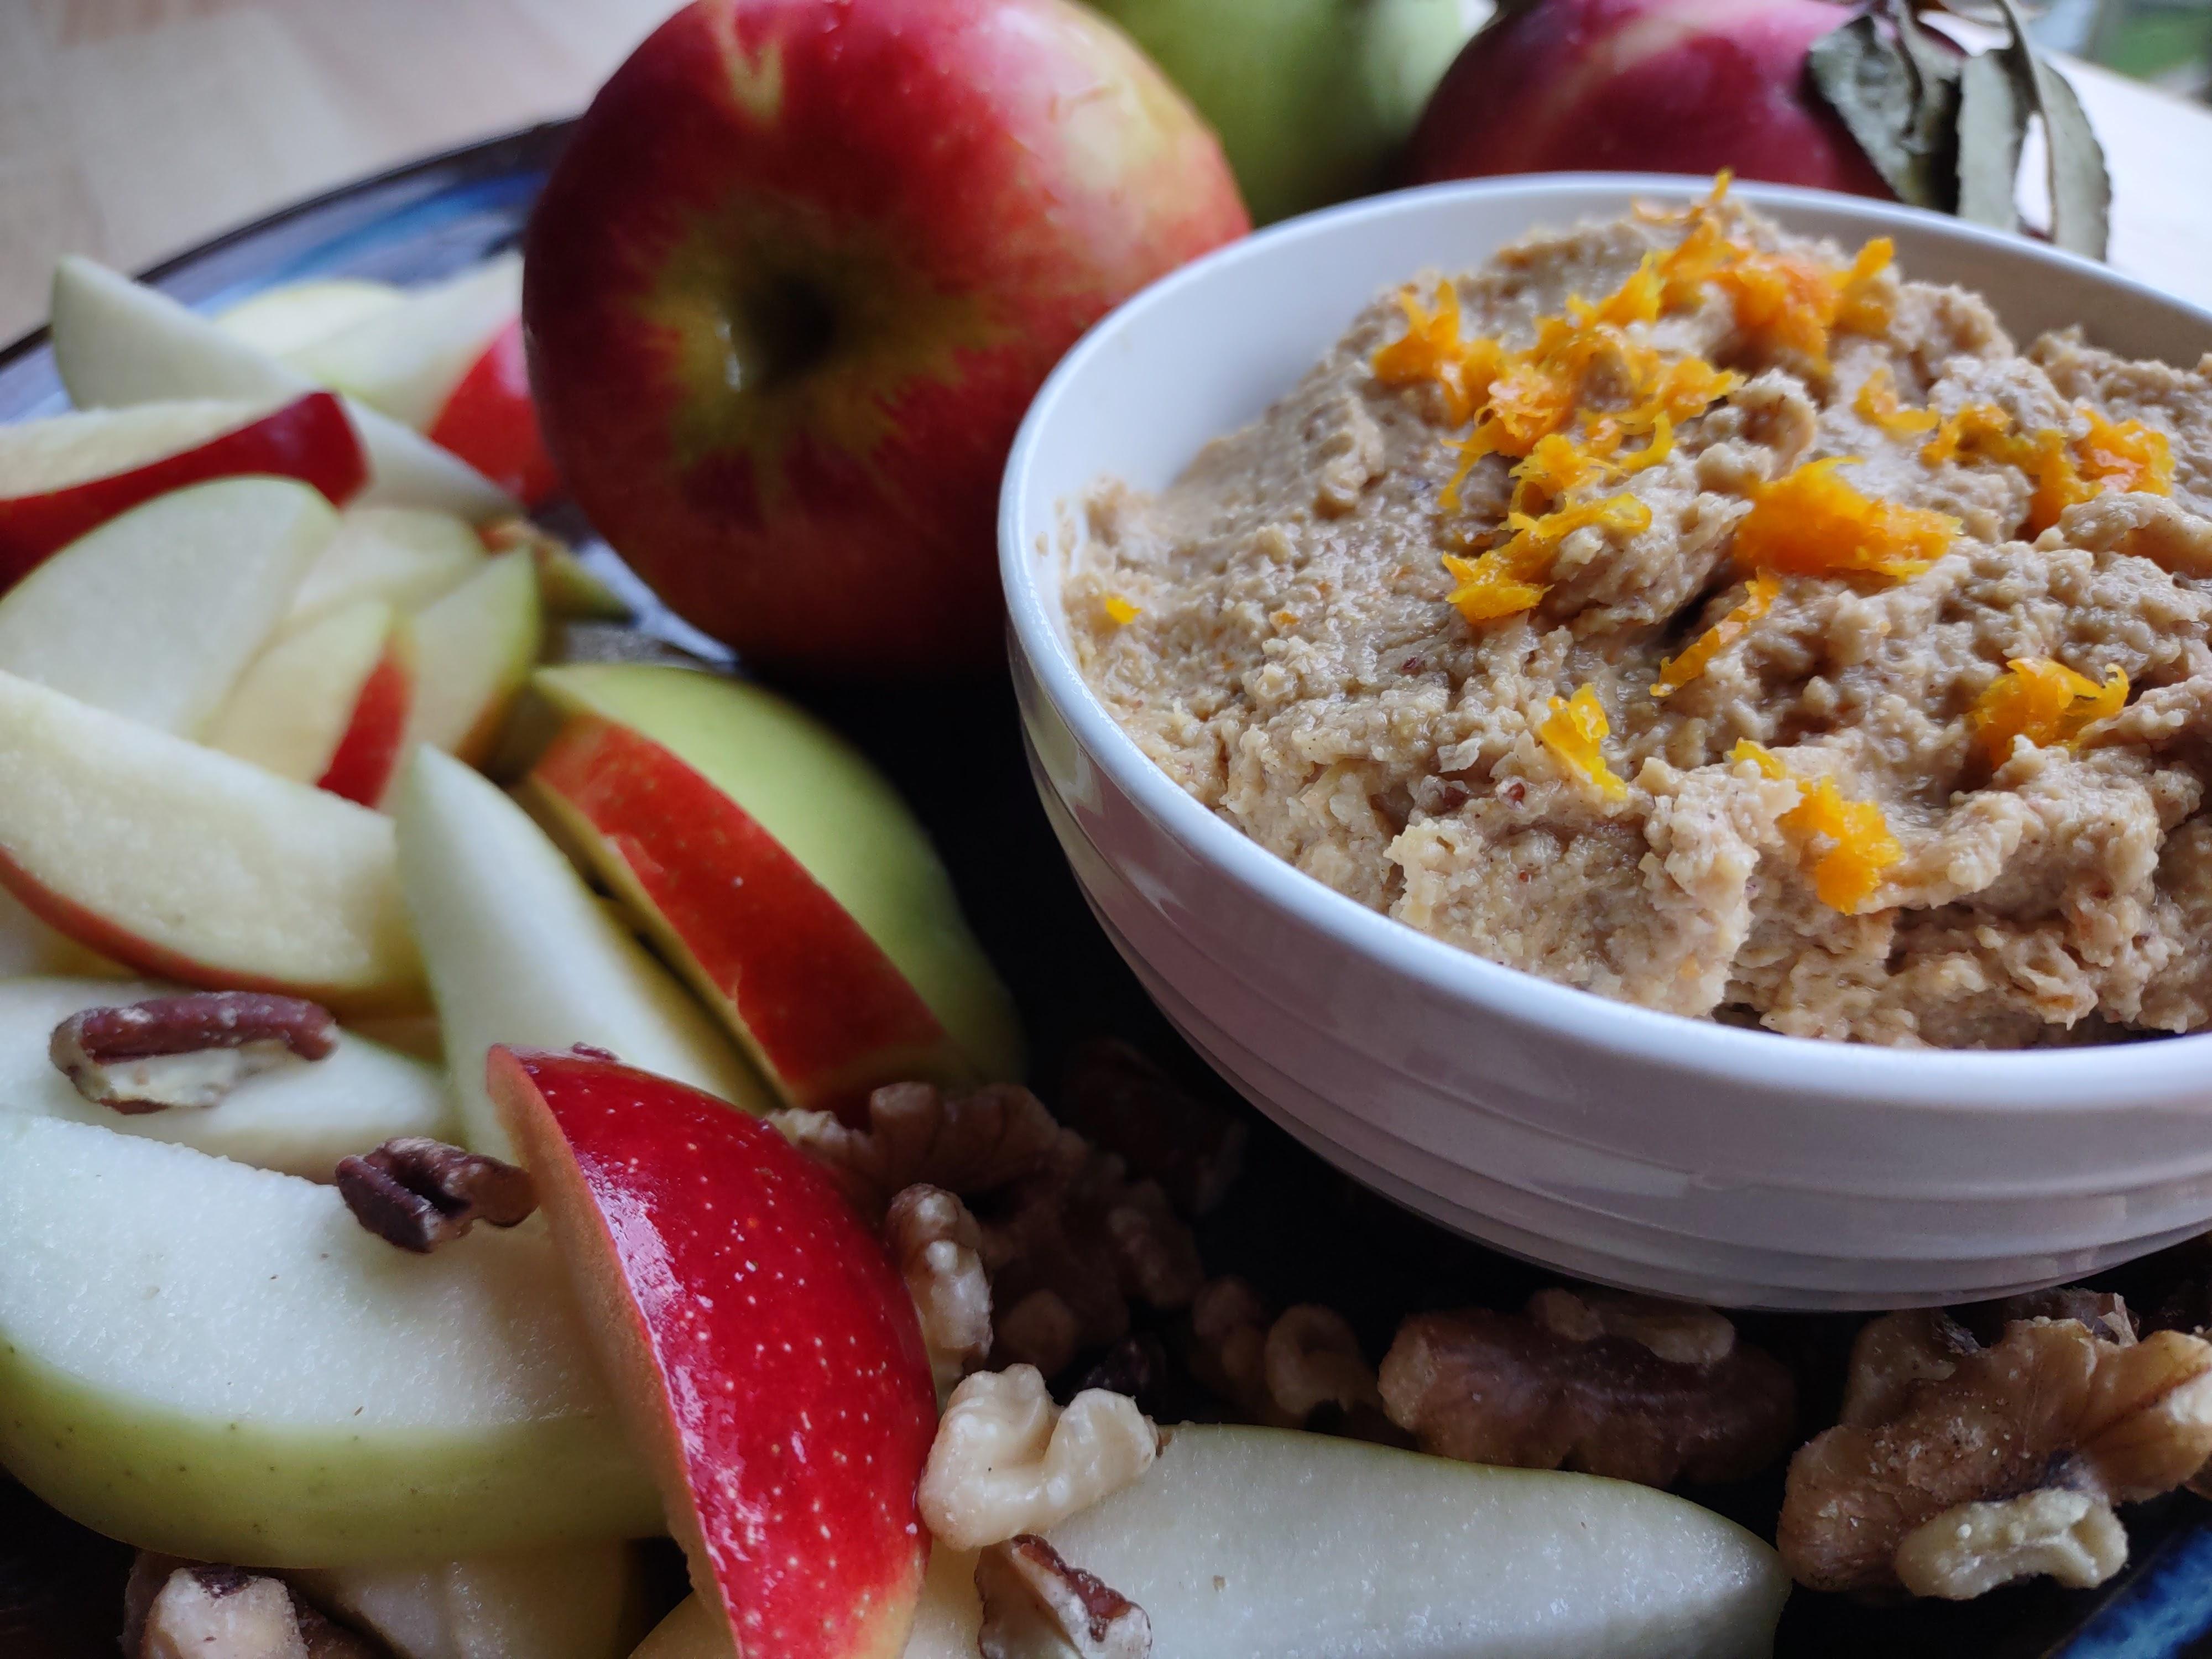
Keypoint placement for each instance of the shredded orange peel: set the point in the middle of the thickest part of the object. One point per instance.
(1503, 582)
(1810, 522)
(1849, 840)
(1676, 672)
(2063, 471)
(1877, 402)
(1120, 611)
(1574, 729)
(2044, 701)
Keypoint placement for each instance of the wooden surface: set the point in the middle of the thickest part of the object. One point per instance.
(131, 129)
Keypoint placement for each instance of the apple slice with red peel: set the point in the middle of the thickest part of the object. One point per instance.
(283, 319)
(474, 649)
(738, 827)
(63, 477)
(567, 584)
(189, 864)
(521, 952)
(764, 1352)
(327, 704)
(406, 359)
(29, 948)
(156, 614)
(490, 422)
(119, 343)
(405, 556)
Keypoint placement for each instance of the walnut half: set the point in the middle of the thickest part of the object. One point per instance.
(1006, 1460)
(933, 1240)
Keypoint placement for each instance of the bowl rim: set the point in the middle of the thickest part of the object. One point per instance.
(2166, 1070)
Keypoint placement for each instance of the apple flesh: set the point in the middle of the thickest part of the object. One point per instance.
(519, 951)
(406, 557)
(405, 359)
(118, 343)
(490, 422)
(474, 649)
(29, 948)
(280, 320)
(300, 1118)
(220, 1362)
(561, 1602)
(189, 864)
(802, 818)
(327, 704)
(765, 1352)
(61, 478)
(156, 614)
(1643, 86)
(799, 270)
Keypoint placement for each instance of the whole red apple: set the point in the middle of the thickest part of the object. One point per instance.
(798, 275)
(1643, 86)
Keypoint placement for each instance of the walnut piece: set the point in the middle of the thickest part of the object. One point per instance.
(1310, 1359)
(1682, 1332)
(177, 1609)
(2052, 1405)
(189, 1050)
(1007, 1460)
(1036, 1606)
(1229, 1345)
(1493, 1388)
(1973, 1548)
(1894, 1353)
(967, 1142)
(934, 1241)
(1128, 1106)
(1283, 1371)
(419, 1194)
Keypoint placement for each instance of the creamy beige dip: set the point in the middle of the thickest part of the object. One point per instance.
(1276, 631)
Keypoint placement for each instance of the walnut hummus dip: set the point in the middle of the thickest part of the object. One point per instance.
(1715, 621)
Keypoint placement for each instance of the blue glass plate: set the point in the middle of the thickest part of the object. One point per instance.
(1299, 1230)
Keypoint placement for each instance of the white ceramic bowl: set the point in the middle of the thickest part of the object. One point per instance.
(1613, 1143)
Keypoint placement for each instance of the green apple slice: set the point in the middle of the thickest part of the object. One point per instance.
(561, 1602)
(300, 1119)
(220, 1362)
(520, 952)
(833, 812)
(156, 614)
(473, 651)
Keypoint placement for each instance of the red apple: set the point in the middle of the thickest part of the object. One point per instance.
(800, 272)
(61, 478)
(1643, 86)
(489, 421)
(763, 1351)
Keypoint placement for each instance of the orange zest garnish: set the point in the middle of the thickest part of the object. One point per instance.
(1506, 579)
(1119, 611)
(2044, 701)
(1676, 672)
(1574, 729)
(2063, 472)
(1849, 840)
(2129, 456)
(1811, 523)
(1877, 402)
(1433, 349)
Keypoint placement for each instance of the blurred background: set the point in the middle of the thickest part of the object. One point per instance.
(132, 129)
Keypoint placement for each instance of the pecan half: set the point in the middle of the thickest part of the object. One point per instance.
(418, 1194)
(177, 1609)
(1036, 1605)
(189, 1050)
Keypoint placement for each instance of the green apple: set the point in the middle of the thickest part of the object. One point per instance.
(220, 1362)
(737, 826)
(519, 951)
(299, 1118)
(1312, 97)
(560, 1601)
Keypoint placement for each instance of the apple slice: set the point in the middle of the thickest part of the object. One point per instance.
(156, 614)
(119, 343)
(220, 1362)
(406, 359)
(31, 949)
(567, 584)
(327, 704)
(474, 649)
(490, 422)
(405, 556)
(64, 477)
(781, 873)
(195, 866)
(561, 1602)
(281, 320)
(299, 1118)
(520, 952)
(764, 1351)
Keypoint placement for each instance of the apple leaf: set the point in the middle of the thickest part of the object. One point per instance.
(1896, 90)
(1992, 122)
(2080, 186)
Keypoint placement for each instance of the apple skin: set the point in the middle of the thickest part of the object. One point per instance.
(1645, 85)
(369, 755)
(764, 1351)
(798, 273)
(489, 421)
(308, 439)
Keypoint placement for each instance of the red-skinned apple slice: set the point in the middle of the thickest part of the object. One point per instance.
(406, 359)
(63, 477)
(195, 866)
(764, 1353)
(156, 614)
(327, 704)
(119, 343)
(474, 651)
(405, 556)
(490, 422)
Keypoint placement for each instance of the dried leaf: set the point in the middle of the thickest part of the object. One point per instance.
(2080, 188)
(1896, 91)
(1992, 122)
